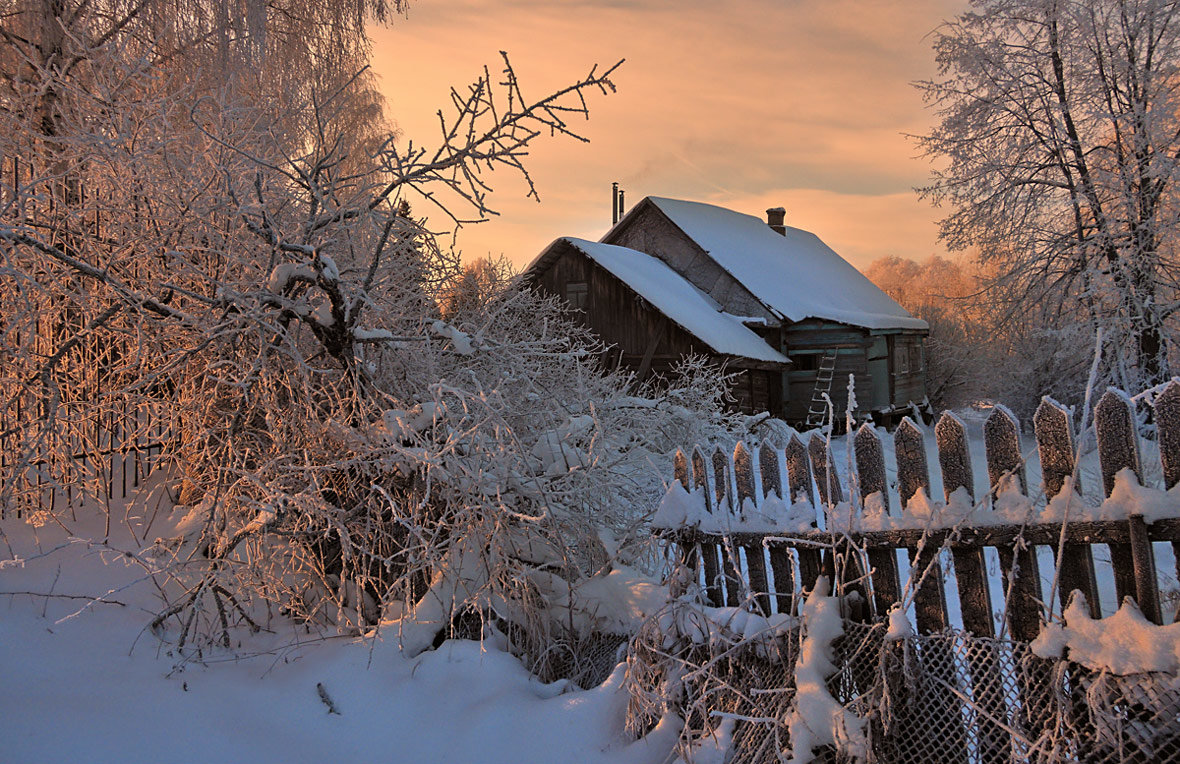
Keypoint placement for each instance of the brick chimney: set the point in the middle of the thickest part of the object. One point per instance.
(774, 218)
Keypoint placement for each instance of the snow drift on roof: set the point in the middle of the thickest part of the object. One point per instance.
(813, 281)
(679, 300)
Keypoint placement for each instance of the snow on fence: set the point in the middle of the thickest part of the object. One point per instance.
(758, 527)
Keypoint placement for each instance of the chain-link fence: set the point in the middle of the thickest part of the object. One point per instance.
(935, 699)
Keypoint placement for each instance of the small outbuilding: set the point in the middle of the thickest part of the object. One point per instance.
(774, 303)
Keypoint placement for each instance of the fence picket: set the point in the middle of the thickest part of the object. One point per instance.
(798, 470)
(870, 469)
(824, 469)
(1118, 449)
(913, 474)
(731, 577)
(781, 563)
(710, 553)
(1056, 448)
(1001, 442)
(1167, 428)
(743, 472)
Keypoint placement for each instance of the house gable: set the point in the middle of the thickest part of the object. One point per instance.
(647, 229)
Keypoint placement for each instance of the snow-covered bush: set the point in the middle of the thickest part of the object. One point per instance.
(230, 265)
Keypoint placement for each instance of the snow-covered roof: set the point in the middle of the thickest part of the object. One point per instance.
(796, 276)
(676, 298)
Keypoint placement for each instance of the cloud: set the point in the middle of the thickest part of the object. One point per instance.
(733, 103)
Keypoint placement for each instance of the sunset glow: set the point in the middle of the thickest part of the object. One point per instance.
(749, 104)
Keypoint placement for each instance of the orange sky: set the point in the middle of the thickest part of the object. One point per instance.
(745, 103)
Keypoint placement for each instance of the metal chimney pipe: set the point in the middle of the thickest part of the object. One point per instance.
(622, 206)
(614, 203)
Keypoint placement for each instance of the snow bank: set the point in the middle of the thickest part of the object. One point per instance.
(815, 718)
(93, 687)
(1124, 643)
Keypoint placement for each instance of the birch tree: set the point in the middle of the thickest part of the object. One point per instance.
(1057, 150)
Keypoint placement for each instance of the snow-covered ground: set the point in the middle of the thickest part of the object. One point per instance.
(84, 682)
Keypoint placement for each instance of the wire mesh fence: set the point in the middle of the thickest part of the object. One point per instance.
(939, 698)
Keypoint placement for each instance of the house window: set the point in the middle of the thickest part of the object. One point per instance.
(915, 357)
(576, 294)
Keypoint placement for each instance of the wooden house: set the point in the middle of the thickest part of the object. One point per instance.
(771, 301)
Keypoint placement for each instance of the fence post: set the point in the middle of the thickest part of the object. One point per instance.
(826, 478)
(1167, 428)
(781, 564)
(1118, 449)
(870, 469)
(725, 506)
(689, 554)
(743, 473)
(709, 552)
(799, 489)
(1023, 607)
(780, 557)
(1056, 447)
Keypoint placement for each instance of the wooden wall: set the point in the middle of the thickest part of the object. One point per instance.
(649, 230)
(628, 323)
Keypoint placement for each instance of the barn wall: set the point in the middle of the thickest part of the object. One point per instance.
(624, 320)
(908, 373)
(807, 342)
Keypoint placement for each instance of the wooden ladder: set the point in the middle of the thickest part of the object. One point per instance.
(824, 375)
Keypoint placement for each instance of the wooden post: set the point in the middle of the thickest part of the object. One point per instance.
(725, 506)
(925, 570)
(870, 468)
(826, 478)
(1118, 449)
(743, 471)
(689, 555)
(1167, 428)
(910, 449)
(799, 490)
(781, 564)
(1002, 444)
(798, 471)
(1001, 439)
(1056, 447)
(709, 552)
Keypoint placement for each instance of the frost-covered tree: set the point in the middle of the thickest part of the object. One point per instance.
(1057, 148)
(205, 241)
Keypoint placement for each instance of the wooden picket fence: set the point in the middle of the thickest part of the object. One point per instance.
(965, 691)
(766, 569)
